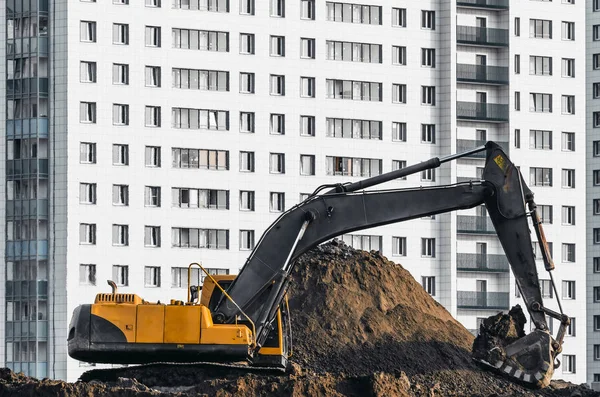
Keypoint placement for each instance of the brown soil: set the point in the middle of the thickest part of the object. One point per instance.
(362, 327)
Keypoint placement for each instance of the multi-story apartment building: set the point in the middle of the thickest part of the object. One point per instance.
(142, 135)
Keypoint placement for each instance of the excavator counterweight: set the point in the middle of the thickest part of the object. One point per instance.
(245, 317)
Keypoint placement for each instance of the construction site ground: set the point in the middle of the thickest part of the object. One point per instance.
(362, 327)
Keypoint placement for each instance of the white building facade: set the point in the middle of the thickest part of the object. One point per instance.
(142, 135)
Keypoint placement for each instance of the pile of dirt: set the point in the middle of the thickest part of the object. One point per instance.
(362, 327)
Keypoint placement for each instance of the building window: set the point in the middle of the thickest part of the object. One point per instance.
(307, 48)
(121, 2)
(517, 64)
(545, 213)
(546, 288)
(120, 114)
(568, 178)
(120, 275)
(596, 235)
(596, 265)
(247, 7)
(153, 38)
(568, 30)
(151, 276)
(428, 175)
(428, 283)
(277, 86)
(120, 33)
(277, 126)
(355, 90)
(362, 241)
(568, 141)
(277, 202)
(246, 240)
(246, 161)
(87, 233)
(398, 93)
(596, 32)
(568, 253)
(540, 28)
(568, 67)
(120, 235)
(120, 195)
(399, 17)
(120, 74)
(246, 83)
(540, 176)
(200, 119)
(398, 131)
(87, 153)
(202, 5)
(87, 31)
(200, 159)
(277, 46)
(200, 198)
(277, 163)
(517, 140)
(307, 125)
(247, 46)
(428, 133)
(152, 196)
(517, 101)
(151, 236)
(596, 206)
(307, 9)
(428, 247)
(427, 95)
(568, 104)
(596, 61)
(87, 72)
(353, 128)
(203, 40)
(277, 8)
(353, 51)
(596, 5)
(153, 3)
(152, 156)
(398, 55)
(517, 26)
(152, 78)
(399, 246)
(540, 103)
(568, 289)
(540, 139)
(307, 164)
(352, 166)
(87, 112)
(428, 19)
(87, 193)
(596, 326)
(87, 274)
(596, 119)
(398, 165)
(596, 294)
(596, 90)
(152, 116)
(307, 87)
(247, 122)
(569, 363)
(246, 200)
(568, 215)
(120, 155)
(353, 13)
(541, 66)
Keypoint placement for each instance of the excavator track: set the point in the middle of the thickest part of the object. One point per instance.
(157, 373)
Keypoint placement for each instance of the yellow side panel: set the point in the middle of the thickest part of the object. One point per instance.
(277, 351)
(121, 315)
(182, 324)
(150, 324)
(226, 334)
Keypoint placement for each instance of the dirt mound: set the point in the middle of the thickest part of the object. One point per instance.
(362, 327)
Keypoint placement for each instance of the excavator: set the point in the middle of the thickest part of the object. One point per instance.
(246, 317)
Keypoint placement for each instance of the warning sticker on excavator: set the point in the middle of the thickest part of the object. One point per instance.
(501, 162)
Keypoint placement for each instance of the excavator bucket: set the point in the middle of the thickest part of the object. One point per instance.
(503, 346)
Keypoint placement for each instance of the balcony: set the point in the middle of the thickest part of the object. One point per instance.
(491, 4)
(473, 224)
(478, 111)
(26, 168)
(462, 145)
(490, 37)
(481, 263)
(27, 208)
(24, 249)
(27, 128)
(24, 290)
(482, 300)
(481, 74)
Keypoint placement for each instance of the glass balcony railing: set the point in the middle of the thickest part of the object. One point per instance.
(20, 249)
(472, 35)
(481, 263)
(493, 4)
(473, 224)
(482, 300)
(27, 208)
(468, 73)
(479, 111)
(27, 128)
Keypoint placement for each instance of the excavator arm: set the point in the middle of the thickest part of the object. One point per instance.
(261, 285)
